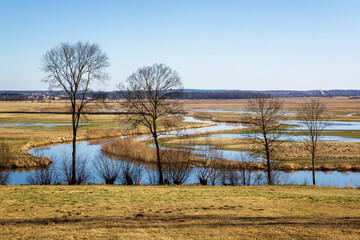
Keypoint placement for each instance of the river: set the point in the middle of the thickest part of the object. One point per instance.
(91, 151)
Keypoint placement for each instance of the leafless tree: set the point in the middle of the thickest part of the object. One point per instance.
(153, 176)
(148, 94)
(73, 68)
(178, 165)
(82, 174)
(314, 116)
(107, 168)
(266, 114)
(131, 173)
(4, 177)
(43, 176)
(207, 164)
(244, 161)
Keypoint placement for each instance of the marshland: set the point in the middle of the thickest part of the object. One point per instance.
(208, 131)
(179, 119)
(201, 147)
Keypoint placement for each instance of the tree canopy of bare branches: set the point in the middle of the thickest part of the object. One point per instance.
(315, 118)
(73, 68)
(266, 114)
(148, 94)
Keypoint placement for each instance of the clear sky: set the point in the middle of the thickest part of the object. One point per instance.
(219, 44)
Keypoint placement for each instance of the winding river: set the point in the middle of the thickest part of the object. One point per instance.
(92, 150)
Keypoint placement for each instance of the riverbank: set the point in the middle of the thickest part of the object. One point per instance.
(178, 212)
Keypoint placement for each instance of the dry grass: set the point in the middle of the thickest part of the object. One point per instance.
(136, 151)
(227, 117)
(342, 156)
(130, 149)
(338, 106)
(169, 212)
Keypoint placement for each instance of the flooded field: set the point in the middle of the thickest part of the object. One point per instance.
(92, 151)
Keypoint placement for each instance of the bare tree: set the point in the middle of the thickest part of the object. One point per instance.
(315, 118)
(73, 68)
(83, 173)
(178, 165)
(266, 114)
(208, 164)
(131, 173)
(107, 168)
(148, 95)
(244, 161)
(43, 176)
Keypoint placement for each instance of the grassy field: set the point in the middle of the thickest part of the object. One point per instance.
(338, 107)
(183, 212)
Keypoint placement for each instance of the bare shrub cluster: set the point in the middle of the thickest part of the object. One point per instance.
(5, 158)
(111, 170)
(43, 176)
(131, 174)
(107, 168)
(82, 173)
(177, 167)
(207, 170)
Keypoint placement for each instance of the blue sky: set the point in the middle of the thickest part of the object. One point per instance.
(247, 45)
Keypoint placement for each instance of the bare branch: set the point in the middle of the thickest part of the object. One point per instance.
(73, 68)
(148, 93)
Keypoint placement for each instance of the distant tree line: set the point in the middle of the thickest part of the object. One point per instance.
(187, 94)
(13, 97)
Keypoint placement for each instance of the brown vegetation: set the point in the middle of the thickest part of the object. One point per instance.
(178, 212)
(341, 156)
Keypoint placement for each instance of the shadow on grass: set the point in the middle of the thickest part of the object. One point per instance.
(186, 221)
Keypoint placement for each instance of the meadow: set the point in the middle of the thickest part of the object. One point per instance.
(178, 212)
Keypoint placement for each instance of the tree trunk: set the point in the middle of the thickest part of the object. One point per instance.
(161, 179)
(270, 181)
(313, 166)
(73, 175)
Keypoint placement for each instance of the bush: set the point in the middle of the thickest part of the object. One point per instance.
(108, 169)
(4, 177)
(177, 166)
(131, 173)
(43, 176)
(82, 172)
